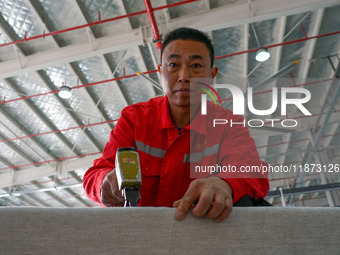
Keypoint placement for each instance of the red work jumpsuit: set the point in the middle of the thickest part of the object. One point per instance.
(165, 157)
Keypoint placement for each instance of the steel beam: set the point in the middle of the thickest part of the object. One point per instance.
(236, 15)
(304, 190)
(15, 122)
(14, 147)
(311, 43)
(41, 189)
(38, 12)
(214, 19)
(333, 197)
(322, 128)
(72, 53)
(12, 179)
(40, 114)
(106, 65)
(34, 173)
(67, 106)
(141, 55)
(294, 152)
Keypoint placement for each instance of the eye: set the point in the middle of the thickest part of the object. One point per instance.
(196, 65)
(173, 65)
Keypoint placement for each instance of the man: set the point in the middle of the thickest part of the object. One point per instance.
(160, 130)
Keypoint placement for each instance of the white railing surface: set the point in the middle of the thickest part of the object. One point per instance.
(248, 230)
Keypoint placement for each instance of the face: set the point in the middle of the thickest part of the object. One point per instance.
(181, 61)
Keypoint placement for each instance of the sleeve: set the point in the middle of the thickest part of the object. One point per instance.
(121, 136)
(238, 151)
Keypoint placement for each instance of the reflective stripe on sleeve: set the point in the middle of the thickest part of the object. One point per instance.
(198, 156)
(156, 152)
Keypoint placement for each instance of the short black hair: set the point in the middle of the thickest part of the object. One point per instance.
(186, 33)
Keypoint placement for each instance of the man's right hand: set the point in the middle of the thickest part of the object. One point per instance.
(111, 196)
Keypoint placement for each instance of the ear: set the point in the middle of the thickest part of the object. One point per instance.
(214, 71)
(159, 67)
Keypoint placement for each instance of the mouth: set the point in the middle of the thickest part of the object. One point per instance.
(183, 91)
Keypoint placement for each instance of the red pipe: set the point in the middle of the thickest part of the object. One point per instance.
(48, 181)
(133, 75)
(334, 156)
(303, 30)
(109, 121)
(302, 200)
(275, 144)
(99, 123)
(153, 71)
(278, 44)
(76, 87)
(303, 117)
(96, 153)
(331, 135)
(174, 4)
(72, 28)
(57, 131)
(156, 36)
(290, 177)
(94, 23)
(268, 91)
(291, 76)
(52, 160)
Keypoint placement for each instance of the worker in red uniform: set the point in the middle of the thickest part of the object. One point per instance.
(160, 130)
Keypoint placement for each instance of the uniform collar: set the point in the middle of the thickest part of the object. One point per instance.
(199, 123)
(164, 120)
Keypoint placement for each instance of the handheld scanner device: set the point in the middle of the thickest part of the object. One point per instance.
(128, 175)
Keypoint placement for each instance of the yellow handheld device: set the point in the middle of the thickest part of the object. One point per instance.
(128, 175)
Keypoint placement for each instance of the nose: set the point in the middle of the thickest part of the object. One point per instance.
(184, 74)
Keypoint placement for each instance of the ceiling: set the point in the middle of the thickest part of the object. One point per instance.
(94, 47)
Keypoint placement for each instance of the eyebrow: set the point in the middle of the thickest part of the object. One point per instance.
(173, 55)
(192, 57)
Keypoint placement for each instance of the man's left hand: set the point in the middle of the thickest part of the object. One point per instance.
(213, 197)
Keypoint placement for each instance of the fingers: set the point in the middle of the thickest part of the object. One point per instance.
(185, 203)
(190, 197)
(110, 200)
(176, 203)
(216, 207)
(110, 194)
(214, 197)
(204, 203)
(226, 212)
